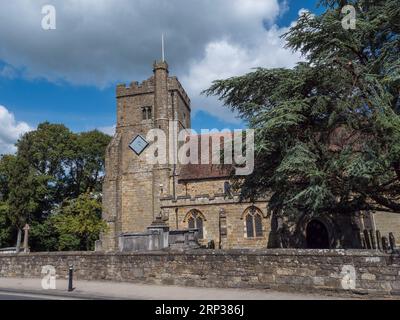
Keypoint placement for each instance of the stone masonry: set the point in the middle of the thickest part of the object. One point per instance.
(132, 188)
(340, 271)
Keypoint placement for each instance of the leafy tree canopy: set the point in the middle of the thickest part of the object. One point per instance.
(328, 130)
(52, 164)
(79, 222)
(5, 226)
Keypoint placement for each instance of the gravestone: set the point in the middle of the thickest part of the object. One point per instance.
(378, 240)
(392, 241)
(26, 238)
(367, 240)
(362, 241)
(385, 244)
(372, 237)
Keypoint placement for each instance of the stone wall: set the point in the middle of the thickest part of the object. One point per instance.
(286, 270)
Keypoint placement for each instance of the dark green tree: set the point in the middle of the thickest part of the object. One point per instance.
(21, 197)
(49, 150)
(52, 164)
(87, 166)
(5, 168)
(328, 130)
(6, 227)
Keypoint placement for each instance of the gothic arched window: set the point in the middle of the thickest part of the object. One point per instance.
(253, 221)
(195, 220)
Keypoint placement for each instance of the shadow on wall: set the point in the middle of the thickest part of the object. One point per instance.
(318, 232)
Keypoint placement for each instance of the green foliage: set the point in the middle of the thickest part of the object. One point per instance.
(52, 164)
(79, 223)
(43, 236)
(5, 226)
(6, 164)
(328, 130)
(87, 167)
(21, 193)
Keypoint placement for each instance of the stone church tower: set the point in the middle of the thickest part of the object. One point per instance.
(196, 196)
(133, 188)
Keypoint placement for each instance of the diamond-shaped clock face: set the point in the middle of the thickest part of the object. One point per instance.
(139, 144)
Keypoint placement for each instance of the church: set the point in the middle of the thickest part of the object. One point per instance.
(198, 196)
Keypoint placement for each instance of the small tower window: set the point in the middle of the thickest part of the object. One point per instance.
(147, 113)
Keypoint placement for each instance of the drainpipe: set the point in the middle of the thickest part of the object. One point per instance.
(176, 219)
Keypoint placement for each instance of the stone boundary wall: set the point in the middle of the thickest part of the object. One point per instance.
(374, 273)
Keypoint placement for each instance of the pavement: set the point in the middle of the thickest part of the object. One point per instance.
(31, 289)
(9, 296)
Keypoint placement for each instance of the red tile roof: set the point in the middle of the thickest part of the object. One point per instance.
(205, 171)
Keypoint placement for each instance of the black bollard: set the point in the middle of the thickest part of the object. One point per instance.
(70, 278)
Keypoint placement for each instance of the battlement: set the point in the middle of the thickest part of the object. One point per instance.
(190, 200)
(204, 199)
(135, 88)
(147, 86)
(174, 84)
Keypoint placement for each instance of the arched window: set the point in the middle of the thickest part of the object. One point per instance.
(253, 220)
(195, 220)
(147, 113)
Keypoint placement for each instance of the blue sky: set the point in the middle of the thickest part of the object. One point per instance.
(55, 80)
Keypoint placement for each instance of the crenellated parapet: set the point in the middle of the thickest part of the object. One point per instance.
(175, 85)
(135, 88)
(200, 199)
(148, 86)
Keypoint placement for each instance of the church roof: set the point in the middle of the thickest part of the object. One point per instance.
(204, 172)
(209, 170)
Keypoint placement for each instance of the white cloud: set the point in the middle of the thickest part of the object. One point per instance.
(226, 59)
(108, 130)
(100, 42)
(10, 131)
(306, 12)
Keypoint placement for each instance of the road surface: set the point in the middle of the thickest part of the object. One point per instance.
(31, 288)
(25, 296)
